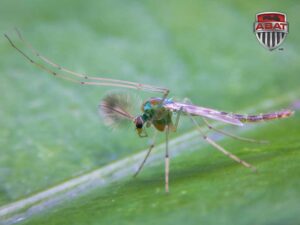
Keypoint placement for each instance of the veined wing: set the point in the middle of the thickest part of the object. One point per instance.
(195, 110)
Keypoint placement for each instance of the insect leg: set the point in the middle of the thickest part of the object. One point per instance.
(167, 165)
(80, 78)
(177, 119)
(186, 100)
(147, 155)
(232, 135)
(220, 148)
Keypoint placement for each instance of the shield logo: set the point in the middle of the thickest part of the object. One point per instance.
(271, 29)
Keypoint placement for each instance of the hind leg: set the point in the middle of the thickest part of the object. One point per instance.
(220, 148)
(232, 135)
(186, 100)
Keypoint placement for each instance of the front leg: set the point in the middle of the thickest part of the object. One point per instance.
(147, 154)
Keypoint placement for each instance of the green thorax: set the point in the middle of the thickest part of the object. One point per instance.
(154, 111)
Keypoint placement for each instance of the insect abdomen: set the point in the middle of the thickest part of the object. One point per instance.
(264, 117)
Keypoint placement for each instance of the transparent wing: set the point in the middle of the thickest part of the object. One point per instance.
(202, 111)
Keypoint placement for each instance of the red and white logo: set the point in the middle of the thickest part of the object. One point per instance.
(271, 28)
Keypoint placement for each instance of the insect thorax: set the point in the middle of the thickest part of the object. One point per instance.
(156, 113)
(149, 111)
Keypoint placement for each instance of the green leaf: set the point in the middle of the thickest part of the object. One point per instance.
(51, 134)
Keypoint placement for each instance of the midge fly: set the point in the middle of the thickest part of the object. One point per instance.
(156, 111)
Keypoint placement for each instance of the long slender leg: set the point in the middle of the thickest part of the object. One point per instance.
(177, 119)
(220, 148)
(147, 155)
(167, 162)
(82, 78)
(187, 100)
(232, 135)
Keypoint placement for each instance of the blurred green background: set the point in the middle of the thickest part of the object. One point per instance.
(205, 50)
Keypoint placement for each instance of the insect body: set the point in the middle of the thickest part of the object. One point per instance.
(156, 111)
(160, 114)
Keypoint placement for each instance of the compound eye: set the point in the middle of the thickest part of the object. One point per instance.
(139, 122)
